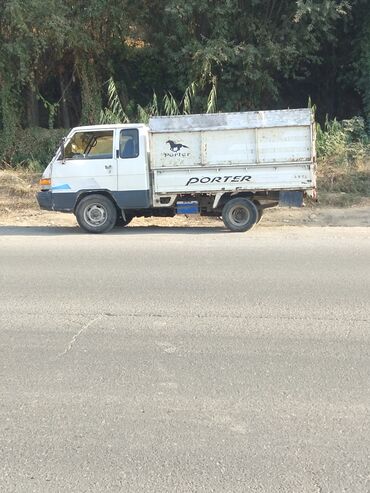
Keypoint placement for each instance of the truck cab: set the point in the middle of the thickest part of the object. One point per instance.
(104, 159)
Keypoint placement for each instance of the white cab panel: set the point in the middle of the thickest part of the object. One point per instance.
(76, 175)
(89, 163)
(133, 173)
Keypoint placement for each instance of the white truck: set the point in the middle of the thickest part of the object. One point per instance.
(229, 165)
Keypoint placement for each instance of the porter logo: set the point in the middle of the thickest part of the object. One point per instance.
(219, 179)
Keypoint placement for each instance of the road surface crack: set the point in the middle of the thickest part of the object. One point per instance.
(78, 334)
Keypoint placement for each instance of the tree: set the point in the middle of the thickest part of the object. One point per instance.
(249, 46)
(55, 57)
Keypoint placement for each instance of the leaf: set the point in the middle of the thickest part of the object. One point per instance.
(212, 97)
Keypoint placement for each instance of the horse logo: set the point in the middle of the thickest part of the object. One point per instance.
(175, 147)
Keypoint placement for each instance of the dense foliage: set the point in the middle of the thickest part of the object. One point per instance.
(71, 62)
(255, 54)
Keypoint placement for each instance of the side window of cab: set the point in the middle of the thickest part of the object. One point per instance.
(129, 143)
(90, 145)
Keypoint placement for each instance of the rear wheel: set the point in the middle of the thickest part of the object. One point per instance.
(240, 214)
(96, 214)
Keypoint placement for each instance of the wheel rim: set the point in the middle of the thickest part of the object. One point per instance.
(239, 215)
(95, 215)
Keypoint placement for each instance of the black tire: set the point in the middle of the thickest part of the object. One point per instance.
(260, 214)
(259, 209)
(239, 214)
(96, 214)
(120, 222)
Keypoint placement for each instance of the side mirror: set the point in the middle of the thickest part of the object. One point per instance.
(62, 154)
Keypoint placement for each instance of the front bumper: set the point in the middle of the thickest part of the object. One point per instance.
(62, 202)
(44, 199)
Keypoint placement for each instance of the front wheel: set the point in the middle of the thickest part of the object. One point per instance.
(96, 214)
(239, 214)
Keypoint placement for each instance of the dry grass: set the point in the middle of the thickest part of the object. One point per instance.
(343, 185)
(17, 191)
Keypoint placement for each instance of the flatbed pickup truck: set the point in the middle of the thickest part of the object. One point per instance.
(229, 165)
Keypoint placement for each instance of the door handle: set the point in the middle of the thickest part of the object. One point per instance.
(108, 166)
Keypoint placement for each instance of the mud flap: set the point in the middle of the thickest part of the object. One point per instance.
(291, 199)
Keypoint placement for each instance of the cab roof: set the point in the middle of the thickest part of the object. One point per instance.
(109, 126)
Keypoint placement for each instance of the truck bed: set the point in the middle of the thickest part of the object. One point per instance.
(266, 150)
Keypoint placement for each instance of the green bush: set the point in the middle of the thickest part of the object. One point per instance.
(30, 149)
(346, 142)
(343, 150)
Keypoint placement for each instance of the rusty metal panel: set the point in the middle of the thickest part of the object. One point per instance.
(284, 144)
(229, 147)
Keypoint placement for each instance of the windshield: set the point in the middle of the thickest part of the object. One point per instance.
(90, 145)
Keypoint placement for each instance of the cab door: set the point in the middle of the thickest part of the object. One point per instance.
(89, 163)
(132, 167)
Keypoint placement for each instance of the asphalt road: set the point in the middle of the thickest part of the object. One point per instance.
(185, 360)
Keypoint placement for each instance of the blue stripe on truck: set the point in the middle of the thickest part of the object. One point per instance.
(65, 186)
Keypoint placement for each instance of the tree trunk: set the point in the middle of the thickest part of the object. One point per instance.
(33, 116)
(10, 111)
(66, 122)
(90, 93)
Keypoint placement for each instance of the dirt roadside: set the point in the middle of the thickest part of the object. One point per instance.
(18, 206)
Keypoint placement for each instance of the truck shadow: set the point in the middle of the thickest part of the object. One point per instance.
(128, 231)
